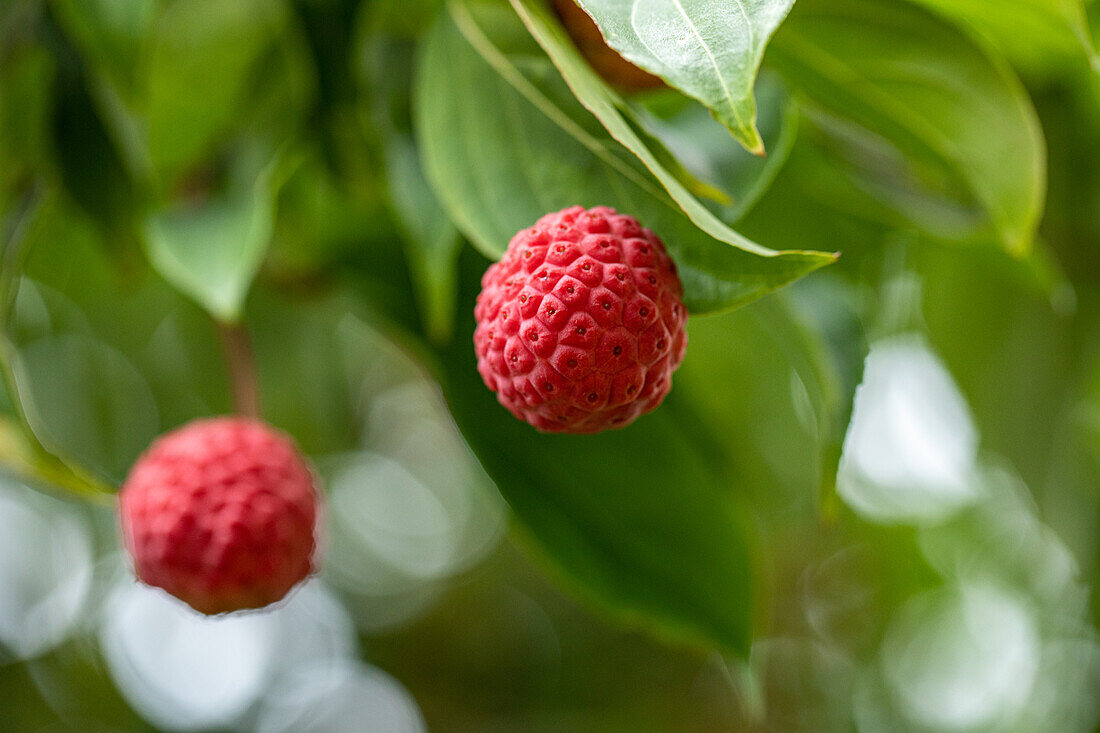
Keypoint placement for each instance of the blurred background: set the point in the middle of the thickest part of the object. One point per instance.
(942, 581)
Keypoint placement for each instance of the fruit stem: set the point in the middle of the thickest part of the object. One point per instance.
(241, 366)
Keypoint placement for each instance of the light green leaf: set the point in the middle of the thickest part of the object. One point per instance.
(126, 312)
(1029, 31)
(924, 86)
(211, 252)
(508, 150)
(708, 49)
(87, 402)
(640, 521)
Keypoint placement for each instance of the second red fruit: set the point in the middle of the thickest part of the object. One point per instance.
(220, 513)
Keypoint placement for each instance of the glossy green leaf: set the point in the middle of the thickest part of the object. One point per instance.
(514, 146)
(639, 521)
(624, 123)
(212, 251)
(926, 88)
(1030, 31)
(708, 49)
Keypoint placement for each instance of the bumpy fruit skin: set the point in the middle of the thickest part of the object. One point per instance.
(221, 514)
(605, 60)
(581, 323)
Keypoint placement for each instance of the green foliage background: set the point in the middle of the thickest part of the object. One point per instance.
(332, 177)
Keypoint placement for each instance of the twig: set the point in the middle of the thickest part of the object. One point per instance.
(241, 367)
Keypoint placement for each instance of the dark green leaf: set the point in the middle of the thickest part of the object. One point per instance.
(639, 521)
(776, 381)
(26, 80)
(198, 65)
(431, 241)
(92, 169)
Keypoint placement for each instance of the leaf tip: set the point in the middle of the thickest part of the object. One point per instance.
(751, 141)
(1017, 244)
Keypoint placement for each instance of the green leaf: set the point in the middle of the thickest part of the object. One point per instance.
(211, 252)
(639, 521)
(199, 60)
(708, 49)
(304, 344)
(1090, 418)
(1029, 31)
(508, 150)
(168, 340)
(924, 86)
(86, 401)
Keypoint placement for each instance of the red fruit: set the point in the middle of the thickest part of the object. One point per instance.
(581, 323)
(220, 513)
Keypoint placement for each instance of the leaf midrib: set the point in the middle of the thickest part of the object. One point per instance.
(726, 92)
